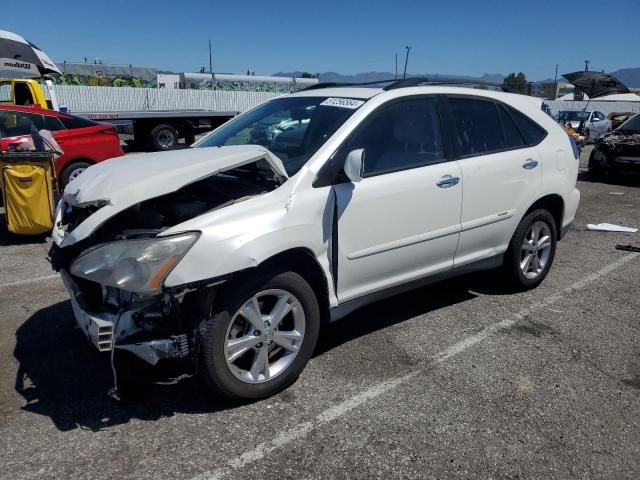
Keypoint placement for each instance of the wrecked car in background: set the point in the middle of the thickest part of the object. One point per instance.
(224, 259)
(617, 151)
(618, 118)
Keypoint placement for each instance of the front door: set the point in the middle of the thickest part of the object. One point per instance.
(402, 220)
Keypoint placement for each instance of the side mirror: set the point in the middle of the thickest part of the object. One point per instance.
(353, 165)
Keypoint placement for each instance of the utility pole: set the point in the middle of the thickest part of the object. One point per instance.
(396, 77)
(555, 84)
(210, 65)
(406, 61)
(586, 65)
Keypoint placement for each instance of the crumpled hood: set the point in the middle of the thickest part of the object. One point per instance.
(124, 181)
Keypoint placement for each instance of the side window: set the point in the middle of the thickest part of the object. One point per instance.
(598, 116)
(531, 131)
(478, 126)
(14, 124)
(5, 93)
(512, 136)
(401, 136)
(52, 123)
(71, 122)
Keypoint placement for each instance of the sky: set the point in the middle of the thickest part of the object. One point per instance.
(448, 37)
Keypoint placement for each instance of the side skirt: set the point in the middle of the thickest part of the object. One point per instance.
(346, 308)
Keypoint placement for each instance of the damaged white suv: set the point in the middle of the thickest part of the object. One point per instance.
(223, 260)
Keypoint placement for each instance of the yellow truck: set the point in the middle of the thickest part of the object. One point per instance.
(25, 92)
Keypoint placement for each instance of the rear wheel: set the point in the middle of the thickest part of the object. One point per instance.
(531, 250)
(72, 171)
(164, 137)
(261, 338)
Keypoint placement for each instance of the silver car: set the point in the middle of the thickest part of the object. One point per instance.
(595, 123)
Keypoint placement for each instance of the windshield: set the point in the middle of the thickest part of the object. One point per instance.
(573, 116)
(293, 128)
(631, 125)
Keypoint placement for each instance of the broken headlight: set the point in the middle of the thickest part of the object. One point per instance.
(134, 265)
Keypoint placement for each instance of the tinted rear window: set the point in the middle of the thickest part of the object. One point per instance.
(76, 122)
(512, 136)
(531, 131)
(478, 126)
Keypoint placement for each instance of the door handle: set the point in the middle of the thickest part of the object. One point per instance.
(448, 181)
(530, 164)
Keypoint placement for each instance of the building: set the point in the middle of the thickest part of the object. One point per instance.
(546, 89)
(170, 81)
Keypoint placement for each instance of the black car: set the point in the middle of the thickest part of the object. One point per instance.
(617, 151)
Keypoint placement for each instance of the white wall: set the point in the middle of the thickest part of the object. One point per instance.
(121, 99)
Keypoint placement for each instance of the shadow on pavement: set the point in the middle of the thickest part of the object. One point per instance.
(62, 376)
(631, 179)
(397, 309)
(7, 238)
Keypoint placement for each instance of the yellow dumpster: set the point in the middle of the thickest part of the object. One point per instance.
(27, 180)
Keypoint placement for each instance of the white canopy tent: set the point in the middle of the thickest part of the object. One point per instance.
(617, 97)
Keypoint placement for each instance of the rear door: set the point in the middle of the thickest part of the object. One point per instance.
(501, 173)
(402, 220)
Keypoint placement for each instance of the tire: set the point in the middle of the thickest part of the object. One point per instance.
(517, 254)
(234, 380)
(164, 137)
(71, 171)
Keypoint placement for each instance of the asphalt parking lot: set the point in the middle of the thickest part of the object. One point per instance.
(456, 380)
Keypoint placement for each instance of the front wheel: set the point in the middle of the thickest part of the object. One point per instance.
(531, 250)
(71, 172)
(261, 338)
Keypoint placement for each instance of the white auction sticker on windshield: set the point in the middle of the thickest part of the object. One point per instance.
(342, 103)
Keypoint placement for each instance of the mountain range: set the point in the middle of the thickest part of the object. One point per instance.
(629, 76)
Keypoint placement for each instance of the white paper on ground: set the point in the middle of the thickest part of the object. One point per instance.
(610, 227)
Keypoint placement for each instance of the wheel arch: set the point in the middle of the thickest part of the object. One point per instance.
(300, 260)
(554, 204)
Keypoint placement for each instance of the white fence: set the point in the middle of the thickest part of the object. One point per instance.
(122, 99)
(604, 107)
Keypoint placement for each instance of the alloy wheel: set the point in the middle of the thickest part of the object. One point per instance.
(264, 336)
(536, 250)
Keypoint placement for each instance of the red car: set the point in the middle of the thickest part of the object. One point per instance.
(84, 142)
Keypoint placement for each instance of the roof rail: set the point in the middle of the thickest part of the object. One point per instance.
(413, 82)
(319, 86)
(418, 81)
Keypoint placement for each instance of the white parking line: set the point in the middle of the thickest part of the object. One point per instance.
(339, 410)
(30, 280)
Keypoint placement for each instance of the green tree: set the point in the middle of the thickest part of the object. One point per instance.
(518, 82)
(307, 75)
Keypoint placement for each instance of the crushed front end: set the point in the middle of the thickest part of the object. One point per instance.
(157, 327)
(617, 151)
(115, 275)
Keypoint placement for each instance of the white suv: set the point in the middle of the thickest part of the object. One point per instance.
(225, 259)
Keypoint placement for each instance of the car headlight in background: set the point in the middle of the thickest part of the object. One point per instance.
(138, 266)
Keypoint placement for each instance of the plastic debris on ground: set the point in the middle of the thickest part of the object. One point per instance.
(610, 227)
